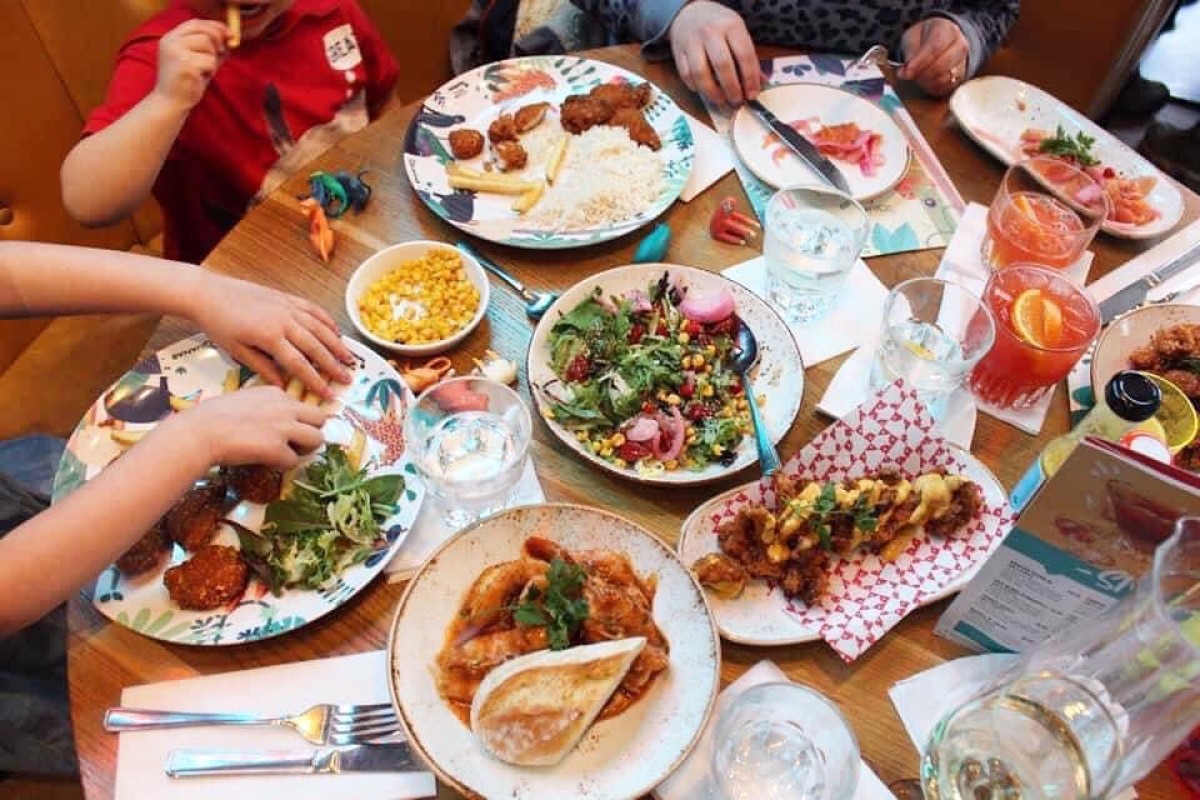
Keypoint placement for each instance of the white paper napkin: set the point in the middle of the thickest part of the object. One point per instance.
(963, 263)
(850, 387)
(923, 699)
(853, 320)
(430, 530)
(289, 688)
(690, 781)
(714, 158)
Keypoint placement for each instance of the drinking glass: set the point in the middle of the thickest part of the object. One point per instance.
(813, 235)
(1029, 223)
(1095, 707)
(469, 439)
(934, 332)
(1044, 325)
(783, 741)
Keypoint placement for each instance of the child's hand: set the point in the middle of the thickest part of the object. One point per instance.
(188, 56)
(260, 425)
(275, 334)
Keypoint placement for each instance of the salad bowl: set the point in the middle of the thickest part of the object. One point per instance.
(778, 378)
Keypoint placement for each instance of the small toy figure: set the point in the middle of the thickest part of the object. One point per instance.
(338, 192)
(730, 225)
(422, 377)
(319, 232)
(653, 249)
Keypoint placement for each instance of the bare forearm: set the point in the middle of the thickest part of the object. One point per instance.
(108, 174)
(37, 279)
(69, 544)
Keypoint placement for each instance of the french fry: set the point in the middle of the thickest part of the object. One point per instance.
(232, 381)
(454, 168)
(311, 398)
(127, 438)
(233, 18)
(295, 389)
(181, 403)
(493, 184)
(357, 449)
(555, 162)
(529, 199)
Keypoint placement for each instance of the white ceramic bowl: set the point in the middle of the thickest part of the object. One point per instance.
(390, 258)
(1131, 331)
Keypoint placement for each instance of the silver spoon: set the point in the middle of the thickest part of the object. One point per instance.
(744, 357)
(876, 54)
(536, 303)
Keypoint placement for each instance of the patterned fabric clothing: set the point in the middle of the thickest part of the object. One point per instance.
(844, 26)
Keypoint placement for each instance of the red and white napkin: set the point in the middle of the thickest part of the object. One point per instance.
(867, 596)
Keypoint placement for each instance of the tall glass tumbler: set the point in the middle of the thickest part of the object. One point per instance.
(1094, 708)
(813, 235)
(934, 332)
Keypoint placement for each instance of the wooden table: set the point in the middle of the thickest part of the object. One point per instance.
(270, 247)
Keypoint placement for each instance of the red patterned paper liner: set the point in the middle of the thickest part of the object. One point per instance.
(866, 595)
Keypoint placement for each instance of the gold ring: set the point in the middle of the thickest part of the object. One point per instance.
(954, 74)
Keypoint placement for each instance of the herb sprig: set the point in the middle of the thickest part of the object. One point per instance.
(560, 609)
(1078, 147)
(824, 510)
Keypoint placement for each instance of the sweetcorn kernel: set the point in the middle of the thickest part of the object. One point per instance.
(423, 300)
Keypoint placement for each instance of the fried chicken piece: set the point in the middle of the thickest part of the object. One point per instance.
(215, 576)
(511, 154)
(722, 574)
(254, 483)
(1189, 458)
(193, 520)
(466, 143)
(147, 552)
(580, 112)
(1178, 342)
(502, 129)
(622, 95)
(529, 117)
(639, 129)
(1187, 381)
(806, 575)
(965, 506)
(1146, 359)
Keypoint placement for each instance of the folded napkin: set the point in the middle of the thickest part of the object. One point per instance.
(853, 320)
(963, 264)
(714, 158)
(430, 530)
(921, 701)
(690, 781)
(286, 689)
(850, 387)
(1080, 379)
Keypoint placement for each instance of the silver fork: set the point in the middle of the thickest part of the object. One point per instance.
(321, 724)
(876, 54)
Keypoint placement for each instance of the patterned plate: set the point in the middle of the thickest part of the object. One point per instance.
(476, 98)
(190, 371)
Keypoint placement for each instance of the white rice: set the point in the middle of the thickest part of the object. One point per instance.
(605, 179)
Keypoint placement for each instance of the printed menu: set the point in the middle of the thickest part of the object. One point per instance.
(1075, 550)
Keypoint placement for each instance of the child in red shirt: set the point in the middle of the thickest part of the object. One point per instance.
(210, 130)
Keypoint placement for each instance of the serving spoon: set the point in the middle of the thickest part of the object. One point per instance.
(536, 303)
(743, 359)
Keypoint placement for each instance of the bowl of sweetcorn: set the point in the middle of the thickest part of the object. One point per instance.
(417, 298)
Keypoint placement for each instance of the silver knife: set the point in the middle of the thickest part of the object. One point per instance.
(363, 758)
(1135, 293)
(801, 147)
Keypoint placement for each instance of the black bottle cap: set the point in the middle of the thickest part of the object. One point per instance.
(1132, 396)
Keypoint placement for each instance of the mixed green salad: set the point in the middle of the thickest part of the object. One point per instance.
(642, 380)
(331, 519)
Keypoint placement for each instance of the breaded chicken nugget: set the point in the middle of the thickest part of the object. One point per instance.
(215, 576)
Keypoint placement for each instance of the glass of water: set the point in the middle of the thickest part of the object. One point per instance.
(813, 235)
(1091, 710)
(469, 439)
(783, 741)
(934, 332)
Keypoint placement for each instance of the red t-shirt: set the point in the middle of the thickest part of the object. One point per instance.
(321, 72)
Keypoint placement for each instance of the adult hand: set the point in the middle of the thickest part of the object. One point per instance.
(259, 425)
(714, 53)
(275, 334)
(188, 56)
(936, 55)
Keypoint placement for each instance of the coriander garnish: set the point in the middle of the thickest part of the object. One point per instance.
(561, 609)
(1078, 146)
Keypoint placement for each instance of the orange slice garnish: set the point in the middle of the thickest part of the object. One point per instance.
(1037, 318)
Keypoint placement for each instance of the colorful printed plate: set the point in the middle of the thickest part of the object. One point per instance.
(760, 616)
(626, 756)
(779, 375)
(190, 371)
(995, 110)
(797, 103)
(475, 99)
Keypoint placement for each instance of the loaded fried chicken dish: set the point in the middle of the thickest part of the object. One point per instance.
(1174, 354)
(791, 545)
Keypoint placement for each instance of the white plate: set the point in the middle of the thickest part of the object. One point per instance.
(774, 163)
(623, 757)
(779, 375)
(995, 110)
(1129, 332)
(760, 616)
(194, 369)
